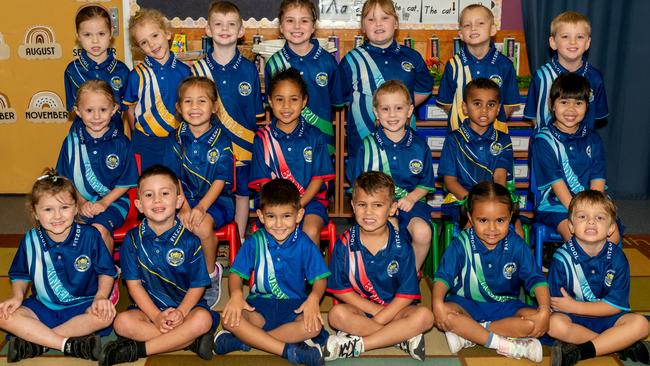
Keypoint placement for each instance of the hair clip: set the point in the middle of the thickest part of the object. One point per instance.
(463, 203)
(53, 177)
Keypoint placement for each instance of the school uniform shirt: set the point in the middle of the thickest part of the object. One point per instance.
(469, 269)
(379, 278)
(168, 265)
(319, 70)
(407, 161)
(473, 158)
(363, 70)
(112, 71)
(240, 100)
(96, 166)
(152, 88)
(577, 159)
(463, 68)
(537, 107)
(603, 277)
(299, 156)
(280, 271)
(63, 274)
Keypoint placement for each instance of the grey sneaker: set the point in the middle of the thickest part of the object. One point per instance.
(213, 293)
(414, 347)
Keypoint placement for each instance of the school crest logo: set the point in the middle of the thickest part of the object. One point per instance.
(496, 148)
(509, 269)
(112, 161)
(46, 106)
(39, 43)
(245, 88)
(497, 79)
(407, 66)
(321, 79)
(609, 277)
(116, 83)
(588, 151)
(5, 51)
(7, 114)
(591, 95)
(175, 257)
(307, 154)
(416, 166)
(82, 263)
(213, 155)
(393, 268)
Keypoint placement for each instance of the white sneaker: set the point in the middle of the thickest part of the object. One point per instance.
(212, 294)
(518, 348)
(414, 347)
(342, 347)
(456, 342)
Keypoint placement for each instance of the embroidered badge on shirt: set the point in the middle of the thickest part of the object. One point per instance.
(415, 166)
(245, 88)
(407, 66)
(82, 263)
(112, 161)
(175, 257)
(393, 268)
(509, 269)
(213, 155)
(321, 79)
(307, 154)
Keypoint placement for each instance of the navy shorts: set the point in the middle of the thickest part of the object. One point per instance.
(222, 210)
(314, 207)
(111, 219)
(420, 210)
(242, 177)
(150, 148)
(596, 324)
(54, 318)
(488, 311)
(451, 210)
(275, 312)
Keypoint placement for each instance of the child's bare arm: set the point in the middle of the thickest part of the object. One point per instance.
(420, 98)
(101, 205)
(568, 304)
(130, 116)
(499, 176)
(455, 188)
(236, 304)
(440, 309)
(541, 318)
(598, 185)
(310, 191)
(142, 299)
(562, 192)
(359, 302)
(407, 202)
(18, 291)
(509, 109)
(190, 300)
(388, 312)
(310, 309)
(102, 306)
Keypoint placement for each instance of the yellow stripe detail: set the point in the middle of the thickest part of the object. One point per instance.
(158, 130)
(241, 154)
(197, 174)
(160, 276)
(179, 236)
(233, 126)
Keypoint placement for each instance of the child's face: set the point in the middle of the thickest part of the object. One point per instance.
(158, 199)
(568, 113)
(297, 26)
(482, 107)
(571, 41)
(280, 220)
(476, 27)
(591, 224)
(393, 111)
(56, 214)
(490, 220)
(372, 210)
(287, 101)
(196, 107)
(379, 27)
(225, 29)
(95, 110)
(94, 36)
(153, 41)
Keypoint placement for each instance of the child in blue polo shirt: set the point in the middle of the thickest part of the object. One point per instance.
(398, 151)
(375, 278)
(278, 315)
(240, 97)
(589, 280)
(292, 149)
(163, 265)
(317, 66)
(570, 38)
(152, 87)
(200, 153)
(483, 270)
(567, 157)
(72, 275)
(478, 58)
(366, 67)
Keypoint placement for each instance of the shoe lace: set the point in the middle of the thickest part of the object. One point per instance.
(349, 348)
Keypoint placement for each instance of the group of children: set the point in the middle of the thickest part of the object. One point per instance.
(196, 156)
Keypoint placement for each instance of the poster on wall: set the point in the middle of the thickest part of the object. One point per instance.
(7, 114)
(39, 43)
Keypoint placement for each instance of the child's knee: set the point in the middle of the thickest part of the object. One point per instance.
(201, 321)
(639, 325)
(337, 315)
(122, 324)
(424, 318)
(421, 229)
(558, 326)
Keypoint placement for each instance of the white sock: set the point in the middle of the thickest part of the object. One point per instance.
(63, 344)
(214, 273)
(493, 341)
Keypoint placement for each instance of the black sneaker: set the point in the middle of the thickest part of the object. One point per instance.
(638, 352)
(202, 346)
(564, 354)
(87, 347)
(19, 349)
(118, 352)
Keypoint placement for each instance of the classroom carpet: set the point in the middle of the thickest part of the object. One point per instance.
(636, 247)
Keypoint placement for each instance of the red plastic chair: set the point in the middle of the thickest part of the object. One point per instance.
(230, 233)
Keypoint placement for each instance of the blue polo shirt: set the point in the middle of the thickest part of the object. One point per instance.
(96, 166)
(363, 70)
(473, 158)
(379, 278)
(319, 70)
(299, 156)
(469, 269)
(280, 271)
(577, 159)
(167, 265)
(537, 107)
(464, 67)
(240, 100)
(153, 89)
(603, 277)
(112, 71)
(407, 161)
(63, 274)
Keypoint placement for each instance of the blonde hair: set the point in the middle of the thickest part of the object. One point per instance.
(146, 15)
(390, 87)
(95, 86)
(593, 198)
(49, 183)
(474, 7)
(386, 5)
(569, 17)
(224, 7)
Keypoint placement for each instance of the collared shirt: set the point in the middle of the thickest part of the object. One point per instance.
(463, 68)
(112, 71)
(153, 89)
(471, 270)
(96, 166)
(280, 271)
(603, 277)
(577, 159)
(363, 70)
(319, 70)
(64, 274)
(537, 107)
(168, 265)
(240, 100)
(380, 278)
(473, 158)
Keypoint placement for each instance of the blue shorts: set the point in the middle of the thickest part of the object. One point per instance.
(242, 177)
(222, 210)
(451, 210)
(596, 324)
(487, 311)
(314, 207)
(420, 210)
(150, 148)
(111, 219)
(275, 312)
(54, 318)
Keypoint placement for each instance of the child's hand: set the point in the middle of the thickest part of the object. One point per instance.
(103, 309)
(8, 307)
(540, 322)
(563, 304)
(87, 209)
(233, 310)
(98, 207)
(196, 217)
(405, 204)
(161, 321)
(441, 314)
(184, 216)
(175, 318)
(311, 316)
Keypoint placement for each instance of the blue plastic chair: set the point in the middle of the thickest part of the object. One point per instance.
(543, 234)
